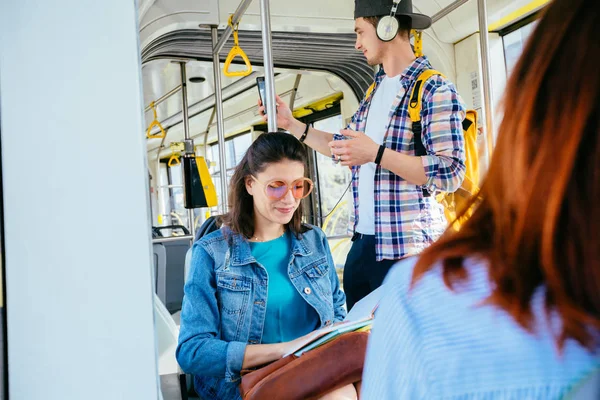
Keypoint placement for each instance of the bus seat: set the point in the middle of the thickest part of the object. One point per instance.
(209, 226)
(167, 333)
(160, 271)
(186, 270)
(174, 383)
(169, 267)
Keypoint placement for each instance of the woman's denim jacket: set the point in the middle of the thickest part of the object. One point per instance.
(226, 298)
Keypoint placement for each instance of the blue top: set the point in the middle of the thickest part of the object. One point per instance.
(432, 343)
(288, 315)
(224, 306)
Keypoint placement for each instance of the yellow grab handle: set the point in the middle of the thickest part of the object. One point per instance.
(235, 51)
(154, 123)
(174, 160)
(160, 135)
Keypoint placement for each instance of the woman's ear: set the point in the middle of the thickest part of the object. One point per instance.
(249, 182)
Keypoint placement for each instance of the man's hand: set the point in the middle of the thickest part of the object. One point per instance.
(284, 114)
(358, 150)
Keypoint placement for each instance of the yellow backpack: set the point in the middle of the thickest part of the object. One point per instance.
(453, 202)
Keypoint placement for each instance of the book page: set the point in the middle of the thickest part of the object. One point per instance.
(361, 312)
(334, 334)
(365, 308)
(319, 333)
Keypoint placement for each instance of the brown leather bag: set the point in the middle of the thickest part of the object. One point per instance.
(313, 374)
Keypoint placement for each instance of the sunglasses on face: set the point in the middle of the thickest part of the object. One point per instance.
(278, 189)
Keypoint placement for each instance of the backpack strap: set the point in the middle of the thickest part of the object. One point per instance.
(369, 91)
(415, 106)
(414, 111)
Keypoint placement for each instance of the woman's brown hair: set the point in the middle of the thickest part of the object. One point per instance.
(538, 219)
(267, 149)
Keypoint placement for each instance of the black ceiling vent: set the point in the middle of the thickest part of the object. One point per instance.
(330, 52)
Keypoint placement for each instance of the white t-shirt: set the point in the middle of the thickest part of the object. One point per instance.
(377, 121)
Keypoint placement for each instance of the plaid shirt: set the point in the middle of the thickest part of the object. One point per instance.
(406, 222)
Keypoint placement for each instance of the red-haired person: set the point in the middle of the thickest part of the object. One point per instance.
(509, 307)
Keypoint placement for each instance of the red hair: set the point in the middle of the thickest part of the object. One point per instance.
(537, 221)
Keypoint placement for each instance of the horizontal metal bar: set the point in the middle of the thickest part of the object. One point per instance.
(164, 97)
(172, 239)
(208, 102)
(170, 186)
(447, 10)
(237, 16)
(335, 237)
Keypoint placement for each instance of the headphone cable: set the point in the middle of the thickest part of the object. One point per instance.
(340, 199)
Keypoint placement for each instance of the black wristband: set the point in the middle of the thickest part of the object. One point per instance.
(304, 133)
(379, 154)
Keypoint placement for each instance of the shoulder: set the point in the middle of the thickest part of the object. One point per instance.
(440, 89)
(215, 241)
(311, 232)
(429, 301)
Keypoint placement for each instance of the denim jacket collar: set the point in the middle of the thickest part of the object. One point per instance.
(241, 253)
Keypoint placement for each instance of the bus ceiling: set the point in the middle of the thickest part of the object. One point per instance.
(309, 35)
(454, 20)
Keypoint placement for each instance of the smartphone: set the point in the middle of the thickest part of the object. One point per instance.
(262, 91)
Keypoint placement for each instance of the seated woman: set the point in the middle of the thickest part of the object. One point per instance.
(263, 280)
(509, 306)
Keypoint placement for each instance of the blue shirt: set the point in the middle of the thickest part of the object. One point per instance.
(288, 315)
(432, 343)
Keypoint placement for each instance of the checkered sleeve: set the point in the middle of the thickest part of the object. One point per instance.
(442, 118)
(352, 125)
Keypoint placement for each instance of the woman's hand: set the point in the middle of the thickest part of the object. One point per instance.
(260, 354)
(285, 118)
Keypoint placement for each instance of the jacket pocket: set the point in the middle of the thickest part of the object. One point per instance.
(318, 276)
(234, 292)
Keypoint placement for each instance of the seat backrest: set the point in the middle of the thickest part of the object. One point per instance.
(169, 271)
(210, 225)
(175, 273)
(160, 271)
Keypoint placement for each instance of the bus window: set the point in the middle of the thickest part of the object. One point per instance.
(179, 214)
(333, 181)
(514, 42)
(336, 202)
(235, 148)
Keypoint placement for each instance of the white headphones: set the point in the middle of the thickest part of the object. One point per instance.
(387, 27)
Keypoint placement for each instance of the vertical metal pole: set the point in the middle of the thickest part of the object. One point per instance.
(265, 19)
(184, 101)
(220, 122)
(186, 131)
(487, 76)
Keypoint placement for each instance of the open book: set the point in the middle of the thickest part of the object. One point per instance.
(359, 318)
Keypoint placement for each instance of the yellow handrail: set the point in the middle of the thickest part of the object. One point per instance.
(326, 222)
(418, 43)
(154, 123)
(235, 51)
(338, 244)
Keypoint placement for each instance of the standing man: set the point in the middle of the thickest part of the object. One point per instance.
(395, 211)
